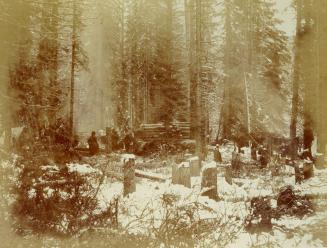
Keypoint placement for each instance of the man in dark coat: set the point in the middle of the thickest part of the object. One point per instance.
(93, 144)
(254, 150)
(114, 139)
(129, 142)
(264, 157)
(217, 155)
(308, 138)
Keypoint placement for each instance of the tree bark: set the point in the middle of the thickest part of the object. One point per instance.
(187, 16)
(200, 140)
(296, 81)
(321, 8)
(309, 77)
(72, 72)
(226, 114)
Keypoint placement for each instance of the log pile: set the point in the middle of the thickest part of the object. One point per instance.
(158, 131)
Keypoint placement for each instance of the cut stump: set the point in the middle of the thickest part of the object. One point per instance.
(181, 174)
(195, 166)
(129, 175)
(209, 182)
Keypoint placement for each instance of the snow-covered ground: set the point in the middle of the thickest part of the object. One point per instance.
(137, 210)
(143, 211)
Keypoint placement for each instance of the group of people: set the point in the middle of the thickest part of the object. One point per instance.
(57, 139)
(112, 140)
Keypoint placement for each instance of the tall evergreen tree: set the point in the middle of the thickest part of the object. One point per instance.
(320, 8)
(255, 53)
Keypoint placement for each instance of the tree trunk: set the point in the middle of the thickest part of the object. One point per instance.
(296, 81)
(192, 67)
(321, 7)
(55, 63)
(72, 73)
(309, 77)
(188, 76)
(146, 84)
(7, 139)
(226, 114)
(247, 61)
(200, 149)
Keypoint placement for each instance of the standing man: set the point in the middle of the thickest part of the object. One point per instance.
(217, 155)
(308, 138)
(129, 142)
(264, 156)
(93, 144)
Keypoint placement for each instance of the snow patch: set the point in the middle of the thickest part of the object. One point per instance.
(126, 157)
(81, 169)
(209, 165)
(184, 165)
(194, 158)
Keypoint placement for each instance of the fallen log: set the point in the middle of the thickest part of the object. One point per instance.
(138, 173)
(150, 175)
(114, 174)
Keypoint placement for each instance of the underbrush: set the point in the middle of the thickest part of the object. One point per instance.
(288, 203)
(58, 200)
